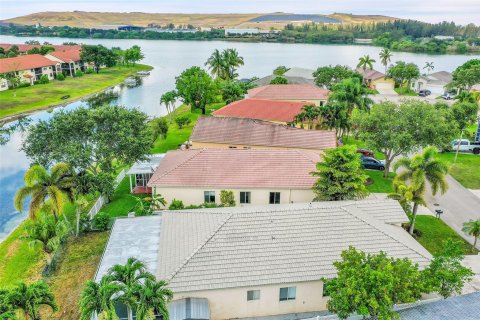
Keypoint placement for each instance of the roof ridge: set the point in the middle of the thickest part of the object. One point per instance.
(176, 271)
(302, 153)
(198, 151)
(368, 221)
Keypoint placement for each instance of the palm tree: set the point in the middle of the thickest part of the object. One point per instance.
(365, 62)
(419, 170)
(29, 298)
(309, 113)
(216, 64)
(429, 66)
(128, 277)
(56, 186)
(81, 203)
(153, 298)
(168, 99)
(353, 93)
(231, 61)
(405, 195)
(472, 228)
(99, 298)
(46, 233)
(385, 57)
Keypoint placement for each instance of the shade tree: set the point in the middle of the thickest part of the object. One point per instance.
(196, 88)
(328, 76)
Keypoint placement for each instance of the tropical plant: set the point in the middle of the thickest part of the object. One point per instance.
(335, 116)
(7, 312)
(168, 99)
(227, 199)
(279, 80)
(365, 62)
(152, 299)
(385, 57)
(129, 276)
(419, 170)
(403, 73)
(30, 297)
(215, 63)
(99, 298)
(81, 203)
(429, 66)
(182, 121)
(46, 233)
(340, 175)
(464, 113)
(472, 228)
(196, 88)
(56, 186)
(101, 221)
(328, 76)
(310, 113)
(280, 70)
(465, 96)
(352, 93)
(224, 65)
(157, 202)
(232, 91)
(176, 205)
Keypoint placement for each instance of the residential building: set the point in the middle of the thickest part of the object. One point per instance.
(70, 61)
(30, 67)
(262, 109)
(141, 172)
(300, 73)
(258, 261)
(305, 93)
(435, 82)
(291, 80)
(444, 38)
(23, 48)
(225, 132)
(376, 80)
(256, 176)
(241, 32)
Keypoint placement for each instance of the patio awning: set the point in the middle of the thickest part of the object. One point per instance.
(148, 166)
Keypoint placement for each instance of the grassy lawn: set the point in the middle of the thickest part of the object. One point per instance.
(435, 231)
(45, 95)
(349, 140)
(380, 184)
(122, 201)
(405, 91)
(466, 170)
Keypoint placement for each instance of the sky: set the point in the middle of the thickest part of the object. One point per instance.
(459, 11)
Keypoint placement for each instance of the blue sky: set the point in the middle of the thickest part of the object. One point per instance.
(460, 11)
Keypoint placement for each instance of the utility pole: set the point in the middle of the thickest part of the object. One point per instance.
(458, 146)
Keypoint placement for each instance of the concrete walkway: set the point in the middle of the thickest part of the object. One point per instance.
(459, 205)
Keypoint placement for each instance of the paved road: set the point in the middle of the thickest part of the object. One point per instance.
(397, 98)
(458, 204)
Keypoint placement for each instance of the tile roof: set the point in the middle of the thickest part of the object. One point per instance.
(291, 80)
(237, 168)
(300, 72)
(289, 92)
(26, 47)
(271, 110)
(439, 78)
(370, 74)
(29, 61)
(66, 56)
(259, 245)
(253, 132)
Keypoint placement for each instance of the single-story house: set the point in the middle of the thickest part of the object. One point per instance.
(70, 61)
(291, 80)
(376, 80)
(225, 132)
(256, 176)
(30, 67)
(435, 82)
(141, 172)
(300, 72)
(257, 261)
(262, 109)
(305, 93)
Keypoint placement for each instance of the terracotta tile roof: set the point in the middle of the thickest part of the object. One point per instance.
(271, 110)
(66, 56)
(253, 132)
(370, 74)
(29, 61)
(237, 168)
(289, 92)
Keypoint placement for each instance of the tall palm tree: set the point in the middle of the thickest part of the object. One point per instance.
(365, 62)
(429, 66)
(56, 186)
(168, 99)
(405, 195)
(128, 277)
(215, 64)
(231, 61)
(472, 228)
(309, 113)
(419, 170)
(353, 93)
(153, 297)
(29, 298)
(99, 298)
(385, 57)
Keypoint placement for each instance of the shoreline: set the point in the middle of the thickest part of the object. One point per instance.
(13, 117)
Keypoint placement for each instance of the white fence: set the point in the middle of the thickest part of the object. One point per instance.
(102, 199)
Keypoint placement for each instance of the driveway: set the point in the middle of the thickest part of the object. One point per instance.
(387, 91)
(458, 204)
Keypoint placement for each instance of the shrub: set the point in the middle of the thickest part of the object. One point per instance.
(192, 206)
(176, 205)
(23, 85)
(210, 205)
(101, 221)
(182, 121)
(43, 80)
(60, 77)
(89, 70)
(227, 199)
(78, 73)
(279, 80)
(159, 127)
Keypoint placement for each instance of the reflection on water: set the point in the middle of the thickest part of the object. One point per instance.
(7, 129)
(109, 96)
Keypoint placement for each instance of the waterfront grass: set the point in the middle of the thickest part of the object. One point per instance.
(42, 96)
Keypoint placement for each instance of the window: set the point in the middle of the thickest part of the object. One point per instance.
(253, 295)
(325, 292)
(209, 196)
(288, 293)
(245, 197)
(274, 197)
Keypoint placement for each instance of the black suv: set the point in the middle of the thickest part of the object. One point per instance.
(424, 93)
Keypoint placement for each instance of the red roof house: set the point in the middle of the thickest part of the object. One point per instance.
(66, 56)
(26, 62)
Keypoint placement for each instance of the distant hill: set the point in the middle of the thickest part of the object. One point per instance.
(263, 21)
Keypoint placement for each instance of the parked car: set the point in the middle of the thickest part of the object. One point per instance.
(424, 93)
(448, 96)
(365, 152)
(466, 146)
(372, 163)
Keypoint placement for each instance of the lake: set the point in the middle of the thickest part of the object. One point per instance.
(169, 58)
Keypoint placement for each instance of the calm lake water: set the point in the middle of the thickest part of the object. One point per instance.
(169, 59)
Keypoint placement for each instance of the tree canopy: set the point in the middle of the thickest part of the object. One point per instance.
(98, 55)
(467, 75)
(403, 72)
(196, 88)
(328, 76)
